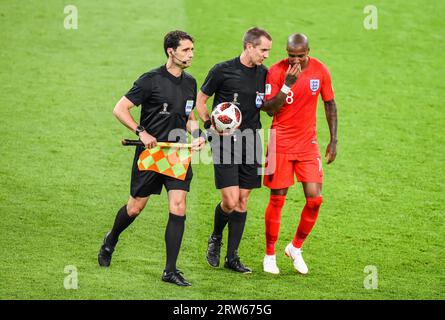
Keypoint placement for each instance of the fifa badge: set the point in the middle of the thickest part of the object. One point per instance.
(164, 109)
(235, 99)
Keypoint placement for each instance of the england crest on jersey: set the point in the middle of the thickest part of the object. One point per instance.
(314, 84)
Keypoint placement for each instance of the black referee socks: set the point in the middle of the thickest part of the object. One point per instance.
(220, 222)
(237, 221)
(122, 221)
(173, 239)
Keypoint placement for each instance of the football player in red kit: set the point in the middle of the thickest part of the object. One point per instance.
(292, 89)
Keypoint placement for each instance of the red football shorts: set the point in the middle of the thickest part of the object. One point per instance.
(281, 167)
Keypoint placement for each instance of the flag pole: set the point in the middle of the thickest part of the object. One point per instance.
(129, 142)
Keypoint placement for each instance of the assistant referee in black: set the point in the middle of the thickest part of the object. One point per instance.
(236, 165)
(167, 95)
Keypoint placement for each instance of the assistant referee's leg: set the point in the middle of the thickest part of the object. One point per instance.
(125, 216)
(175, 227)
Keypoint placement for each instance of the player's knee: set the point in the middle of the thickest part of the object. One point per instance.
(277, 201)
(242, 204)
(314, 203)
(279, 192)
(229, 205)
(135, 206)
(135, 209)
(178, 207)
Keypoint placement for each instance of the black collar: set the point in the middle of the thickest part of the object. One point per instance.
(238, 61)
(174, 79)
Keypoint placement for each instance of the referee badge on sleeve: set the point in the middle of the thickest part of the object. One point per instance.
(268, 89)
(259, 99)
(189, 106)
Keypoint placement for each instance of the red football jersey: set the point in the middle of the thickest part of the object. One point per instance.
(295, 123)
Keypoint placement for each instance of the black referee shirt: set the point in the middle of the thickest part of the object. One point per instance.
(231, 79)
(166, 102)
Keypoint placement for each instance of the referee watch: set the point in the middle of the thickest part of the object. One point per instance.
(139, 129)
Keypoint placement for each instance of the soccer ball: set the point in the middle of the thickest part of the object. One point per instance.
(226, 117)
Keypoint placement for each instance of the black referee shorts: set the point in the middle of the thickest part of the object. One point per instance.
(145, 183)
(237, 161)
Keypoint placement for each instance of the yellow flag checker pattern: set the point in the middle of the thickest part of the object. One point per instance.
(167, 160)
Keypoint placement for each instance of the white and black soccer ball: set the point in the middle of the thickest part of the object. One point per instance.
(226, 117)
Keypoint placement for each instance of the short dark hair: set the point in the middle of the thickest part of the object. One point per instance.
(253, 36)
(171, 39)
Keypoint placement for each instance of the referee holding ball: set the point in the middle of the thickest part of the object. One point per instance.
(236, 165)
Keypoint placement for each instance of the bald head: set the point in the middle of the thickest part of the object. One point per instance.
(297, 41)
(298, 49)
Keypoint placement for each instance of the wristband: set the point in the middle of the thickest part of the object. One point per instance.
(139, 129)
(207, 124)
(197, 133)
(285, 89)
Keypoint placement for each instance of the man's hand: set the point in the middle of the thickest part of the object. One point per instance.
(212, 131)
(274, 105)
(331, 151)
(198, 143)
(148, 140)
(292, 75)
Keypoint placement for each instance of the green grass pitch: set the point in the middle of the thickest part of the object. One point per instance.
(64, 174)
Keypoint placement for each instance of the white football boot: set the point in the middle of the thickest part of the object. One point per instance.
(270, 264)
(295, 255)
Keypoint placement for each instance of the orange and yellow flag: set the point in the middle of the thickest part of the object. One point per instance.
(170, 159)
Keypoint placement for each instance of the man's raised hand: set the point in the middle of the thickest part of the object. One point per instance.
(292, 74)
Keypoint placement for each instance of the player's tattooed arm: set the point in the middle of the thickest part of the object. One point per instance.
(330, 108)
(273, 105)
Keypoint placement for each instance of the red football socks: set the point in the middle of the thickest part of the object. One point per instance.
(272, 220)
(307, 221)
